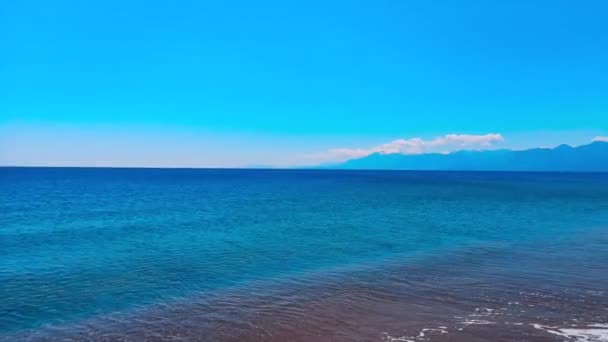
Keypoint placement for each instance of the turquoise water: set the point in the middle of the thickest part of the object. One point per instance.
(77, 244)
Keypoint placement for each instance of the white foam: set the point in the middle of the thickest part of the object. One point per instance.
(397, 339)
(477, 322)
(479, 317)
(389, 338)
(440, 330)
(422, 335)
(591, 333)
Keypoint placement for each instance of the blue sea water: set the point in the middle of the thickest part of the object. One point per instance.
(79, 244)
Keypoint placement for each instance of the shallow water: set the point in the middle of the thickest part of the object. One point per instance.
(133, 254)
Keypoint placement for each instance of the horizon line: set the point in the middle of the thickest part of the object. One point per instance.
(287, 169)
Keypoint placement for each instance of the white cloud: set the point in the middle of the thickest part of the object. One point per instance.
(599, 138)
(444, 144)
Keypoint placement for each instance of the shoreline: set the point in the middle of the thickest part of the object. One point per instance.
(436, 301)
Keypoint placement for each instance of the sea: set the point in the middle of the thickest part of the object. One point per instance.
(117, 254)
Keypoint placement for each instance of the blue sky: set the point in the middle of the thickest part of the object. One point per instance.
(237, 83)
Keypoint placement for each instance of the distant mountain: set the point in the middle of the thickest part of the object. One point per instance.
(591, 158)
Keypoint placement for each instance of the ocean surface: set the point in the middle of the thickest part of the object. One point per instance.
(97, 254)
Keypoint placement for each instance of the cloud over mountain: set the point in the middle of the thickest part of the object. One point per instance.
(443, 144)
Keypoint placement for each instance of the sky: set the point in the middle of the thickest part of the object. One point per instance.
(295, 83)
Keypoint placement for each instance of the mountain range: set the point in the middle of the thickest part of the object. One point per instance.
(586, 158)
